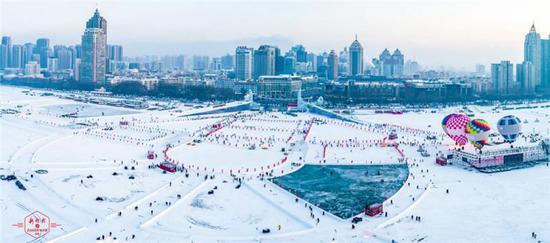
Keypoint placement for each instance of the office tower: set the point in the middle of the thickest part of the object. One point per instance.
(279, 62)
(43, 49)
(355, 58)
(243, 62)
(502, 79)
(28, 50)
(545, 63)
(332, 66)
(532, 52)
(114, 57)
(385, 62)
(6, 53)
(301, 53)
(322, 65)
(64, 56)
(312, 62)
(227, 62)
(289, 63)
(264, 61)
(94, 50)
(525, 77)
(343, 62)
(397, 64)
(17, 56)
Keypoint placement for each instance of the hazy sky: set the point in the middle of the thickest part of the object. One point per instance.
(457, 33)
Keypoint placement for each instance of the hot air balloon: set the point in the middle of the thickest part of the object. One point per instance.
(477, 131)
(444, 122)
(455, 128)
(509, 127)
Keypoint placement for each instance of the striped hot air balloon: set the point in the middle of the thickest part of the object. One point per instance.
(477, 131)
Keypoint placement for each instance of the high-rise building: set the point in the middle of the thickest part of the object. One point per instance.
(264, 61)
(289, 63)
(355, 58)
(398, 61)
(301, 53)
(532, 52)
(385, 63)
(180, 62)
(545, 63)
(5, 52)
(94, 50)
(28, 50)
(502, 78)
(17, 57)
(43, 49)
(64, 57)
(332, 66)
(243, 62)
(525, 77)
(228, 62)
(389, 65)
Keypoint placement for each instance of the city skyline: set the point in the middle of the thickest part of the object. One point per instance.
(432, 48)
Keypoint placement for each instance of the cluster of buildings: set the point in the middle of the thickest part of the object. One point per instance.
(251, 64)
(530, 76)
(89, 61)
(274, 76)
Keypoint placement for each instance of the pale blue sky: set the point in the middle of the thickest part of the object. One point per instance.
(457, 33)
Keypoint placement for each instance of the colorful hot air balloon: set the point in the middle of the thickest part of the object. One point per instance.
(444, 122)
(477, 131)
(455, 128)
(509, 127)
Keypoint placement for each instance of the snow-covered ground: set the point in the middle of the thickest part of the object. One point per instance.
(91, 175)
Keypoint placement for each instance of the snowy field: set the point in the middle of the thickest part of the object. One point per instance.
(91, 175)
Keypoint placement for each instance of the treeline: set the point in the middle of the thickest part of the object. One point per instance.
(132, 88)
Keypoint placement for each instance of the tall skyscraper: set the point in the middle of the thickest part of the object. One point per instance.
(355, 58)
(243, 62)
(17, 56)
(289, 63)
(332, 66)
(28, 51)
(43, 50)
(301, 53)
(5, 52)
(502, 79)
(545, 63)
(398, 61)
(525, 77)
(94, 50)
(264, 61)
(64, 57)
(385, 63)
(532, 52)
